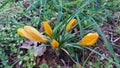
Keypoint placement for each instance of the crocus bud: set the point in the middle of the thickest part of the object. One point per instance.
(55, 43)
(21, 32)
(47, 29)
(34, 34)
(71, 24)
(89, 40)
(31, 34)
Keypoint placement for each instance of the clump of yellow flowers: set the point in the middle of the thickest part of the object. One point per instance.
(33, 34)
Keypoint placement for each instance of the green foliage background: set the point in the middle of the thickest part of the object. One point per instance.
(89, 13)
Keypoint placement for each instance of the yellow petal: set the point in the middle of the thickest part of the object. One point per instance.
(54, 43)
(34, 35)
(47, 28)
(21, 32)
(71, 24)
(89, 40)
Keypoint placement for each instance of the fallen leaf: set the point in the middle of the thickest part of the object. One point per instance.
(37, 49)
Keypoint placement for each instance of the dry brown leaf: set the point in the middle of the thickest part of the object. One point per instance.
(39, 50)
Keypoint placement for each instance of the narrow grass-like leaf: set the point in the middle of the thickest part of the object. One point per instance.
(73, 3)
(59, 13)
(78, 10)
(80, 27)
(108, 45)
(73, 15)
(103, 56)
(74, 45)
(4, 4)
(33, 6)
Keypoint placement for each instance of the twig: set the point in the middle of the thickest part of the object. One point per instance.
(69, 55)
(89, 55)
(116, 39)
(50, 22)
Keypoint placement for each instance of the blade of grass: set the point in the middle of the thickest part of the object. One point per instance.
(89, 56)
(103, 56)
(59, 13)
(75, 45)
(68, 55)
(32, 6)
(72, 3)
(81, 35)
(108, 45)
(4, 4)
(80, 27)
(78, 10)
(77, 59)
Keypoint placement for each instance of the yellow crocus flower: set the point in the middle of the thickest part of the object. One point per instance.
(21, 32)
(47, 28)
(31, 33)
(34, 34)
(55, 43)
(89, 40)
(71, 24)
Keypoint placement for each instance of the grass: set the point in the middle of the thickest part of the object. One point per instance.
(90, 14)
